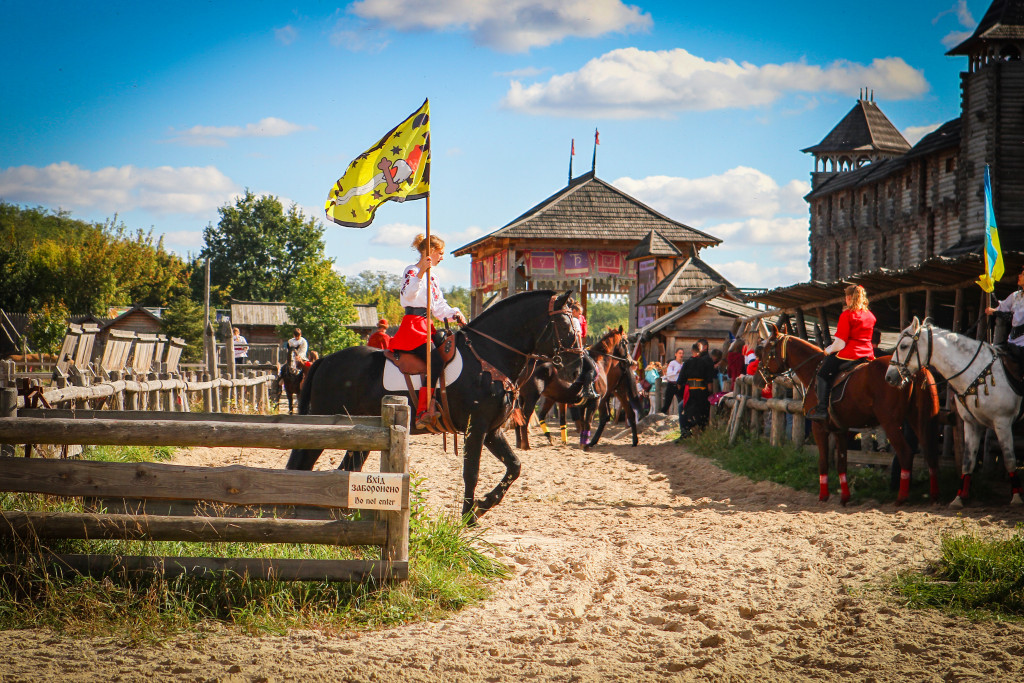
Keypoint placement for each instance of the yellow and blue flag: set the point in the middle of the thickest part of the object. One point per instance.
(396, 168)
(993, 253)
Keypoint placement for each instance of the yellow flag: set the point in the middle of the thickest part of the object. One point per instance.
(396, 168)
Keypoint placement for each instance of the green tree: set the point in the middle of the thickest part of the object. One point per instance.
(319, 304)
(184, 318)
(604, 314)
(46, 328)
(257, 248)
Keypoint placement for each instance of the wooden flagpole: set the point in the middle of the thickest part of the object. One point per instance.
(430, 384)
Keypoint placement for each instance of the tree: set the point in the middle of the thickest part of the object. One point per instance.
(257, 249)
(46, 328)
(604, 314)
(184, 318)
(319, 304)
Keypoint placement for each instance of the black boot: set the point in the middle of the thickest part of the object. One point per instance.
(822, 388)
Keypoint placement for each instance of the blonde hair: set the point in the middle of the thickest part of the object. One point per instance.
(858, 298)
(420, 243)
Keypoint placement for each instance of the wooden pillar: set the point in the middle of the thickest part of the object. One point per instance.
(8, 401)
(904, 311)
(929, 302)
(583, 297)
(510, 270)
(395, 417)
(981, 332)
(826, 333)
(801, 327)
(958, 311)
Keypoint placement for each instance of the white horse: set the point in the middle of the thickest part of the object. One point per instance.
(984, 397)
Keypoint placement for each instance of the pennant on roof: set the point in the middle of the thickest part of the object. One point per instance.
(397, 168)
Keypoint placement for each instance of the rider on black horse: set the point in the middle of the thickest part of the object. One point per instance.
(854, 331)
(412, 333)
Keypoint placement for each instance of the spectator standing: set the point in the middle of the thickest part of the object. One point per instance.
(672, 390)
(240, 346)
(380, 338)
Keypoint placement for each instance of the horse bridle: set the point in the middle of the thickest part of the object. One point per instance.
(548, 328)
(906, 375)
(770, 350)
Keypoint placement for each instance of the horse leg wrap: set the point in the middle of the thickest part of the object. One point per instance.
(544, 428)
(584, 437)
(1015, 484)
(822, 487)
(844, 487)
(965, 487)
(933, 483)
(904, 484)
(565, 434)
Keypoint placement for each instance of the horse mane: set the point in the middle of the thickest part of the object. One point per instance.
(604, 344)
(500, 307)
(810, 345)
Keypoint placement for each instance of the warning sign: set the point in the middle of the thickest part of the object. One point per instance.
(375, 491)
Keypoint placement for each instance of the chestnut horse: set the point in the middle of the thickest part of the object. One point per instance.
(615, 365)
(861, 398)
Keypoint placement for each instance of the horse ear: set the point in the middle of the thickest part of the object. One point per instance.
(561, 301)
(915, 324)
(620, 329)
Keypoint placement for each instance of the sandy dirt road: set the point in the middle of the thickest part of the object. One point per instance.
(633, 564)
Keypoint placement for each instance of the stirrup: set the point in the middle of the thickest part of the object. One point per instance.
(819, 413)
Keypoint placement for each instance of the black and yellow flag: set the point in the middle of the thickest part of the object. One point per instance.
(396, 168)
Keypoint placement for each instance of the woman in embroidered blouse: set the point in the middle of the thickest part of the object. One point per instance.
(412, 332)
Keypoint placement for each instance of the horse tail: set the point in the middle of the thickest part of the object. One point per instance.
(307, 388)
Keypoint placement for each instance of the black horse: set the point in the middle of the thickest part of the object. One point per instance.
(509, 337)
(547, 382)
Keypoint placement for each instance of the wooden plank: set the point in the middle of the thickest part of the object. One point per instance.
(368, 421)
(236, 485)
(138, 506)
(28, 525)
(260, 568)
(203, 433)
(395, 413)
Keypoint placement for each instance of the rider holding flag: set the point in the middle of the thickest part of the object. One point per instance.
(852, 342)
(1014, 304)
(412, 333)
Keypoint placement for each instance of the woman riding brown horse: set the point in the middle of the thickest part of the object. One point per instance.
(862, 399)
(614, 366)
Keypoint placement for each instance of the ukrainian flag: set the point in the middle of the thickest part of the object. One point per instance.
(396, 168)
(993, 254)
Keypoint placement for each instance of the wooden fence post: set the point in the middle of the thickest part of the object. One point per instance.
(8, 408)
(778, 432)
(395, 417)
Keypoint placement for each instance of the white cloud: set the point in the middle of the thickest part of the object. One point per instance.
(216, 136)
(286, 35)
(183, 240)
(634, 83)
(761, 273)
(964, 18)
(507, 25)
(525, 72)
(402, 234)
(776, 230)
(445, 276)
(741, 193)
(913, 134)
(164, 190)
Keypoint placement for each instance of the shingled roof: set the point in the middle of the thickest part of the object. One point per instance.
(864, 129)
(654, 244)
(1004, 20)
(690, 277)
(945, 136)
(591, 208)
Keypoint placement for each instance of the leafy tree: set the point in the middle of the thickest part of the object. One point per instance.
(184, 318)
(459, 297)
(257, 248)
(15, 276)
(604, 314)
(46, 328)
(319, 304)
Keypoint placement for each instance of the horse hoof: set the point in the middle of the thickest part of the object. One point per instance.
(1016, 500)
(822, 499)
(900, 500)
(957, 504)
(844, 501)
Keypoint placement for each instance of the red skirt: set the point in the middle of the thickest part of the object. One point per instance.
(411, 334)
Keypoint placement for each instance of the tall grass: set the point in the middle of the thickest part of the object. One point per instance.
(450, 567)
(974, 576)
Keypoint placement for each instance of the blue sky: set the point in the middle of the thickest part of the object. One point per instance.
(160, 114)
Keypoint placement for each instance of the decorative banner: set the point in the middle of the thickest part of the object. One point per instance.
(576, 263)
(488, 271)
(501, 266)
(374, 491)
(543, 262)
(609, 262)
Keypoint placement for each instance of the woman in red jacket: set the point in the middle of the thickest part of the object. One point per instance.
(852, 342)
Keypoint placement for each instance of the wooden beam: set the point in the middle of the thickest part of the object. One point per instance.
(259, 568)
(826, 332)
(29, 525)
(958, 311)
(146, 416)
(801, 326)
(208, 433)
(904, 311)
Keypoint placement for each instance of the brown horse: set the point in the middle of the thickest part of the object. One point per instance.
(545, 382)
(289, 378)
(615, 366)
(861, 398)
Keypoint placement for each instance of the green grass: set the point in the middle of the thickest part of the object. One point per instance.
(451, 566)
(128, 453)
(981, 578)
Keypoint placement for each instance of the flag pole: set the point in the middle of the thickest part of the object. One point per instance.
(430, 384)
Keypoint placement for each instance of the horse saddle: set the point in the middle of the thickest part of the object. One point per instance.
(395, 377)
(411, 364)
(842, 377)
(1013, 364)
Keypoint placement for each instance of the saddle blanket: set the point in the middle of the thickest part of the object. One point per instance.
(394, 380)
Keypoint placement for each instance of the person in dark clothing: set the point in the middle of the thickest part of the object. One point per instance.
(698, 376)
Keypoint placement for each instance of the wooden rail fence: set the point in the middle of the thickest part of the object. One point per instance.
(151, 501)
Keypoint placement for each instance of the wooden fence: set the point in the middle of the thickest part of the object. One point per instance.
(164, 502)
